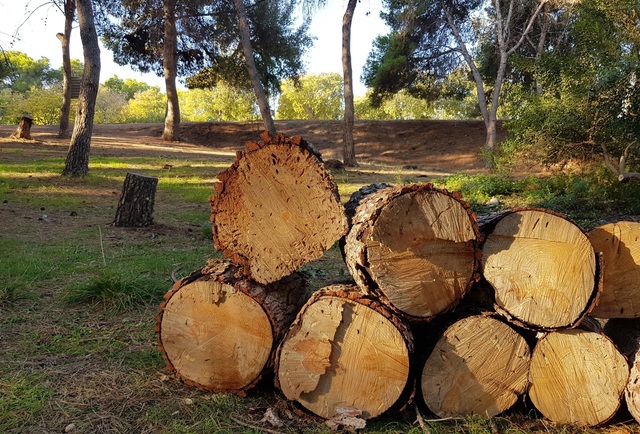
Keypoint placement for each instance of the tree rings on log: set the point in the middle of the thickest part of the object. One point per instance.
(577, 377)
(345, 351)
(276, 208)
(480, 366)
(218, 332)
(542, 268)
(415, 246)
(620, 247)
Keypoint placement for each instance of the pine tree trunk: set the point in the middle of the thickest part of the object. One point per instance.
(345, 350)
(218, 332)
(24, 128)
(480, 366)
(276, 208)
(135, 208)
(65, 108)
(171, 130)
(542, 267)
(577, 377)
(349, 151)
(77, 161)
(415, 248)
(620, 247)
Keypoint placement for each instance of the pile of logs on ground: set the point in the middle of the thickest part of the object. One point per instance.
(459, 314)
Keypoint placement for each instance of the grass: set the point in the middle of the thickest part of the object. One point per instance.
(79, 297)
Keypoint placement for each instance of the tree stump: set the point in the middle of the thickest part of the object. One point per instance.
(480, 366)
(24, 128)
(577, 377)
(218, 332)
(414, 247)
(135, 208)
(620, 247)
(542, 268)
(276, 208)
(345, 350)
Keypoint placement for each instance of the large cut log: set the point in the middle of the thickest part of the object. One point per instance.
(276, 208)
(415, 247)
(480, 365)
(620, 247)
(345, 350)
(542, 267)
(135, 207)
(577, 377)
(218, 331)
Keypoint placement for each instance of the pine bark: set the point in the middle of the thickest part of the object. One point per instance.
(65, 108)
(620, 246)
(414, 247)
(276, 208)
(542, 267)
(218, 331)
(480, 366)
(171, 130)
(135, 208)
(345, 350)
(577, 377)
(349, 148)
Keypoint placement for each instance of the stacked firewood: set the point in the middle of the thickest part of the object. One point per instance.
(464, 315)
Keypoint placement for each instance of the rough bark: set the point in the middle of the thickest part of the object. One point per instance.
(276, 208)
(258, 88)
(65, 108)
(415, 247)
(24, 128)
(171, 130)
(345, 350)
(620, 246)
(480, 365)
(77, 161)
(542, 267)
(577, 377)
(218, 331)
(349, 148)
(135, 208)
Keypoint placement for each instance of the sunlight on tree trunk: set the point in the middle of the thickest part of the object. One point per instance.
(65, 109)
(261, 96)
(170, 65)
(77, 161)
(349, 152)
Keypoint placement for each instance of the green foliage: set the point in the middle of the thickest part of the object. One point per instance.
(317, 96)
(12, 106)
(222, 103)
(25, 73)
(129, 87)
(23, 397)
(146, 106)
(111, 106)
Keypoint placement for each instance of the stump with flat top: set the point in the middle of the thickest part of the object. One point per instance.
(345, 350)
(218, 331)
(541, 266)
(577, 377)
(480, 365)
(620, 246)
(135, 208)
(415, 247)
(276, 208)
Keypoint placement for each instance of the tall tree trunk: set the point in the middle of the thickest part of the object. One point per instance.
(349, 151)
(69, 12)
(261, 96)
(170, 65)
(77, 161)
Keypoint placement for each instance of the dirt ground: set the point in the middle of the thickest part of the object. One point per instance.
(437, 146)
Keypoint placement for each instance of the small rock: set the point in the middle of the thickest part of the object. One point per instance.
(188, 401)
(410, 167)
(70, 428)
(44, 218)
(73, 213)
(494, 201)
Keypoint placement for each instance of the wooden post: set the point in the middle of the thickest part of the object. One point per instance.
(24, 128)
(135, 208)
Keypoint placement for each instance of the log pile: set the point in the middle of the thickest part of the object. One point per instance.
(459, 314)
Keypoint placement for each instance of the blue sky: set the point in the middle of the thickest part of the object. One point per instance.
(37, 38)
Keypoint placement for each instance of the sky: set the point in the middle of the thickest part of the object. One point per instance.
(37, 38)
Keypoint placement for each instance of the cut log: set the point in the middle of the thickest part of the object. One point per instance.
(620, 247)
(345, 351)
(24, 128)
(218, 332)
(542, 268)
(135, 208)
(480, 366)
(276, 208)
(577, 377)
(415, 248)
